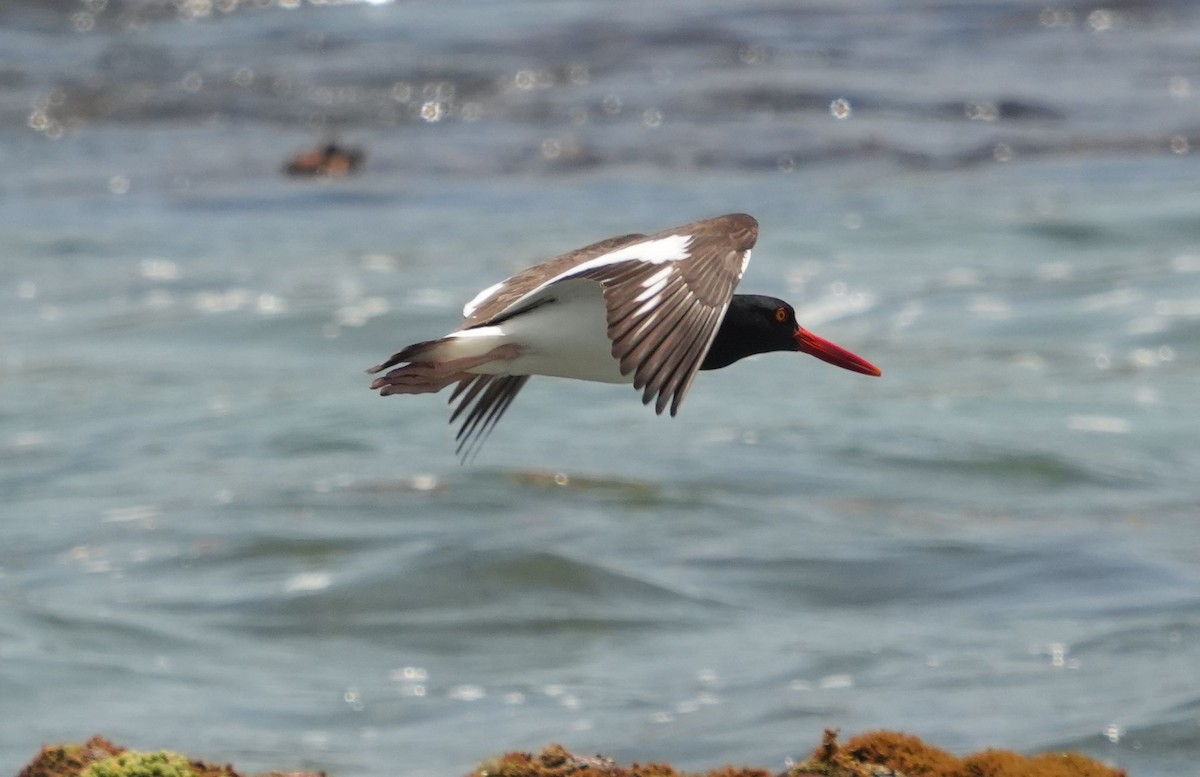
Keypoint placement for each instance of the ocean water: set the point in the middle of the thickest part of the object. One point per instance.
(216, 539)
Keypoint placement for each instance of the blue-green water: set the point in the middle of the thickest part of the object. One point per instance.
(216, 539)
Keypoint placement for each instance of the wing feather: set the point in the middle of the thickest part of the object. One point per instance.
(662, 338)
(486, 307)
(486, 397)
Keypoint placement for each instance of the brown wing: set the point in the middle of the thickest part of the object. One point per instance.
(661, 336)
(511, 290)
(662, 318)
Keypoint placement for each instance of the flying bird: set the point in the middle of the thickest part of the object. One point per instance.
(650, 310)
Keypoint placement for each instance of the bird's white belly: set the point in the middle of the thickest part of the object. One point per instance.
(564, 338)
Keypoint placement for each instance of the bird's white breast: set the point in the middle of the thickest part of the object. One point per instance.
(567, 337)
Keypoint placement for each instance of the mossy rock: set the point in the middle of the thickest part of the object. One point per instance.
(100, 758)
(70, 760)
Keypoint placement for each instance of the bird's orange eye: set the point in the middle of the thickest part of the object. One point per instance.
(781, 315)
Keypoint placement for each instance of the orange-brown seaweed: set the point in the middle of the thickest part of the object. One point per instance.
(874, 754)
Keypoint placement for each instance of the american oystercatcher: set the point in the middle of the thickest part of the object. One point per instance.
(647, 310)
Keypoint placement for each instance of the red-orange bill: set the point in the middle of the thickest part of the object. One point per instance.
(836, 355)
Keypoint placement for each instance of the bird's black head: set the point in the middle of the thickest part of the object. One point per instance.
(757, 324)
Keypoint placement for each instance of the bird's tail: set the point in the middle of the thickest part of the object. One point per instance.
(421, 368)
(417, 352)
(430, 366)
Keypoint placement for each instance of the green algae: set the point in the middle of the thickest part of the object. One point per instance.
(134, 764)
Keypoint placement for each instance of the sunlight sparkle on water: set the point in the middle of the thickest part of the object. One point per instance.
(409, 674)
(981, 111)
(1101, 20)
(308, 581)
(433, 111)
(425, 482)
(411, 679)
(160, 270)
(1101, 424)
(1056, 17)
(134, 513)
(1147, 395)
(269, 304)
(836, 682)
(467, 692)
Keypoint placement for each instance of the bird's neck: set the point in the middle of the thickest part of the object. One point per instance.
(739, 335)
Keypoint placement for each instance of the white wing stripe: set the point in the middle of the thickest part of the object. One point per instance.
(657, 278)
(652, 291)
(672, 248)
(480, 298)
(649, 305)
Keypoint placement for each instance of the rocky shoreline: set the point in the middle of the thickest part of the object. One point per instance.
(873, 754)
